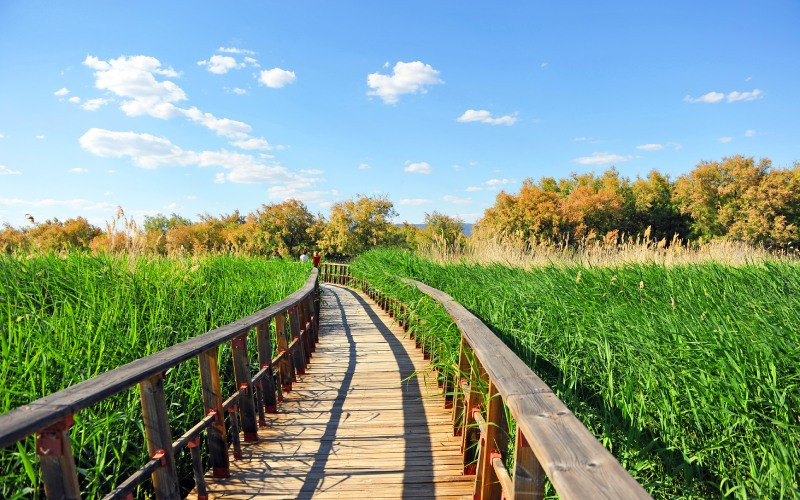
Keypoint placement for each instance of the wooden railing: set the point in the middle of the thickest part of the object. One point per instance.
(51, 416)
(549, 440)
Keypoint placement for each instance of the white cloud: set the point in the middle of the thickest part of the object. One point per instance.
(650, 147)
(276, 78)
(135, 80)
(61, 92)
(297, 192)
(2, 136)
(745, 96)
(74, 99)
(108, 193)
(422, 167)
(749, 133)
(149, 151)
(235, 50)
(481, 115)
(40, 137)
(675, 145)
(252, 62)
(239, 91)
(456, 200)
(406, 78)
(219, 65)
(311, 171)
(172, 206)
(602, 159)
(544, 65)
(363, 166)
(472, 189)
(4, 170)
(456, 167)
(94, 104)
(711, 97)
(413, 202)
(725, 140)
(715, 97)
(253, 143)
(78, 170)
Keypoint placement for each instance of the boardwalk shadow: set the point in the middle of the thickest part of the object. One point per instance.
(417, 481)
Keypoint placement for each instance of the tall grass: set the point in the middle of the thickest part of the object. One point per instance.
(687, 373)
(67, 318)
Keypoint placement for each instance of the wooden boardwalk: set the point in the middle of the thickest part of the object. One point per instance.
(358, 424)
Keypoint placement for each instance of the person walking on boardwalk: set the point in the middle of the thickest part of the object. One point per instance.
(303, 257)
(316, 259)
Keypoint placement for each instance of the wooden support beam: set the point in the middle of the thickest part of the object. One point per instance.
(159, 437)
(471, 433)
(264, 348)
(529, 476)
(59, 475)
(197, 468)
(212, 402)
(495, 444)
(241, 372)
(286, 367)
(299, 354)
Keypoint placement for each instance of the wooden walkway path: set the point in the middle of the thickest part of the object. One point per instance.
(358, 424)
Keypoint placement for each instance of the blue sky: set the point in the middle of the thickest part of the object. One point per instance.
(210, 107)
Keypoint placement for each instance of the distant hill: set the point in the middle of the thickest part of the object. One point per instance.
(465, 228)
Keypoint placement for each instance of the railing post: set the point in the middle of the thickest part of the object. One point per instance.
(286, 366)
(264, 348)
(59, 475)
(159, 436)
(212, 402)
(197, 468)
(528, 473)
(471, 431)
(241, 371)
(495, 441)
(299, 354)
(460, 378)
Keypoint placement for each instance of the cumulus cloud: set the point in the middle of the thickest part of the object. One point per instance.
(749, 133)
(61, 92)
(602, 159)
(4, 170)
(219, 65)
(138, 81)
(363, 166)
(74, 99)
(725, 140)
(455, 200)
(253, 143)
(40, 137)
(406, 78)
(235, 50)
(276, 78)
(413, 202)
(239, 91)
(94, 104)
(148, 151)
(472, 189)
(481, 115)
(650, 147)
(715, 97)
(421, 167)
(78, 170)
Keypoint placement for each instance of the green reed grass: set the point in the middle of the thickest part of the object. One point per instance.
(67, 318)
(688, 374)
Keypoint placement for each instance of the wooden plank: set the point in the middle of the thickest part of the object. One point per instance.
(27, 419)
(496, 443)
(264, 349)
(159, 437)
(352, 425)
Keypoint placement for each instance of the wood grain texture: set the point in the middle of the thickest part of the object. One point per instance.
(359, 423)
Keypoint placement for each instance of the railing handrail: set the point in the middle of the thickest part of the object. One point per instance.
(25, 420)
(574, 460)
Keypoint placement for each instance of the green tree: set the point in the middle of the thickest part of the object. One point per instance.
(359, 224)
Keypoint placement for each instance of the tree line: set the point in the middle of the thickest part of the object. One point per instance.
(736, 198)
